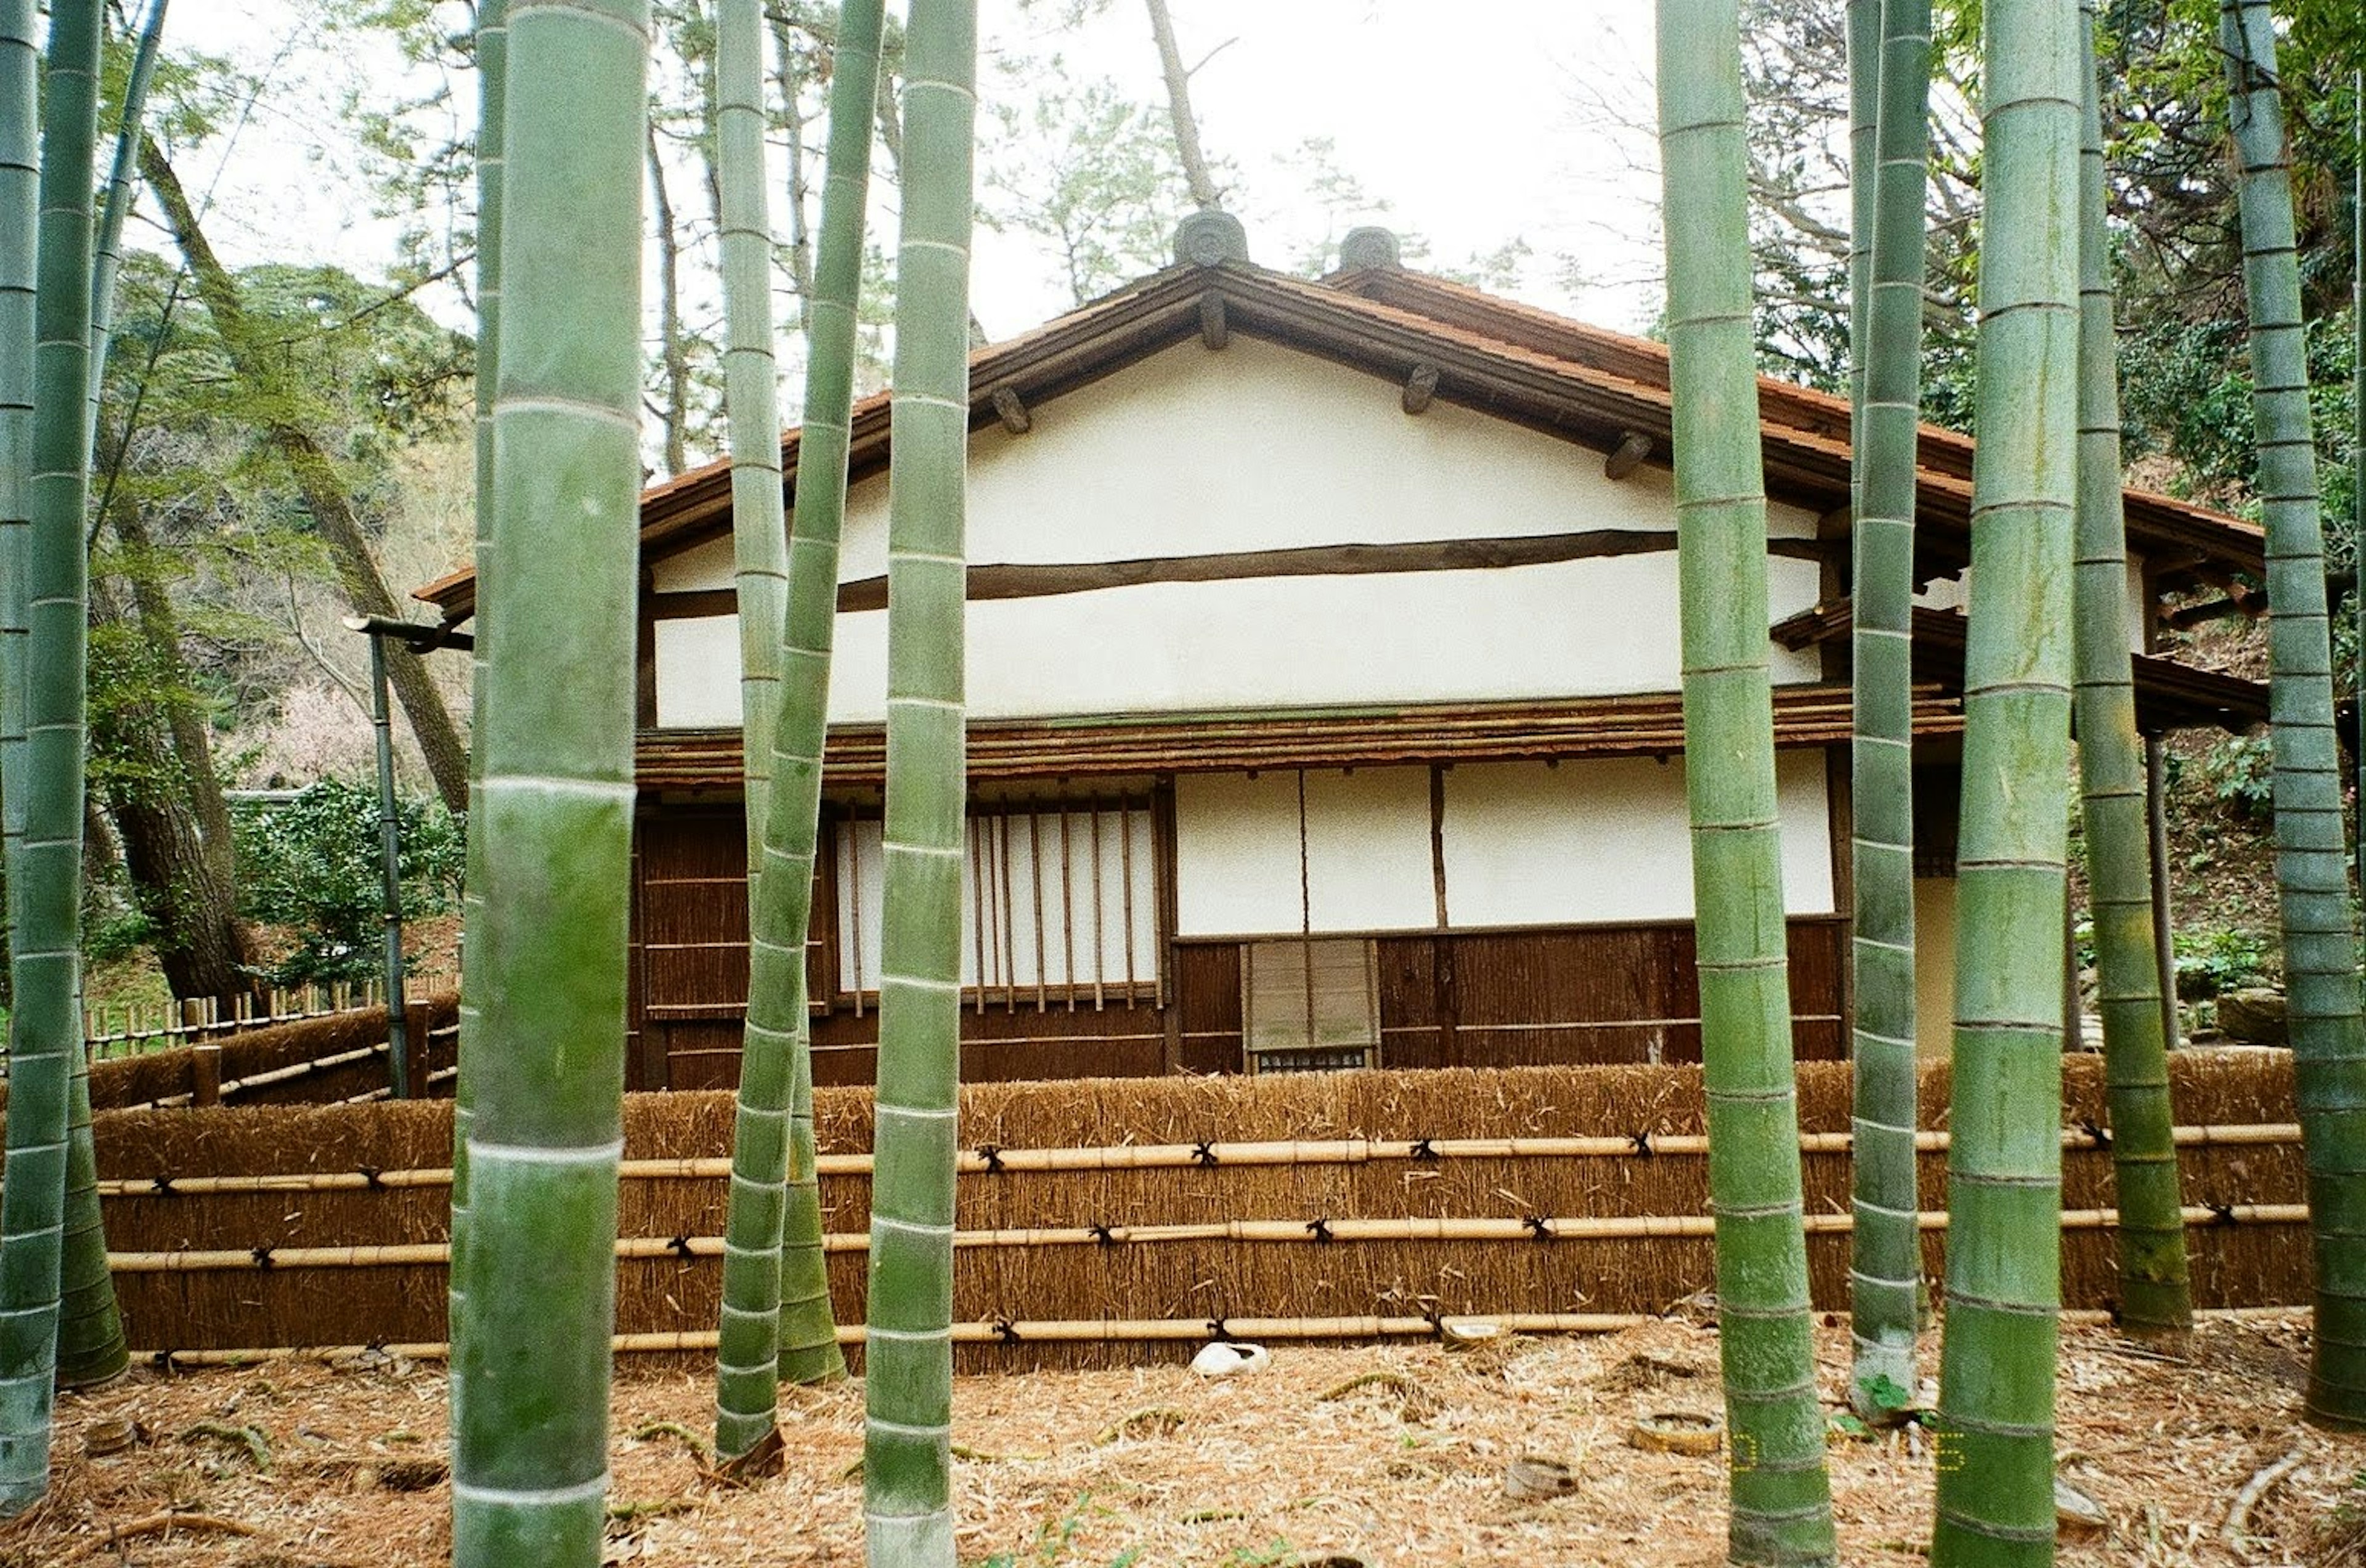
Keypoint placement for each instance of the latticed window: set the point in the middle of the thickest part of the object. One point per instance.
(1310, 1005)
(1060, 901)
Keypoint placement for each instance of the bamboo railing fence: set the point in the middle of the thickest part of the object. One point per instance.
(1145, 1213)
(134, 1028)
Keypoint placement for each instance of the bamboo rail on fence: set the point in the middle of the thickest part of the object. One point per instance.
(1315, 1231)
(1162, 1156)
(139, 1028)
(1104, 1331)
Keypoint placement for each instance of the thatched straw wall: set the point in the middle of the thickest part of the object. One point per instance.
(280, 1299)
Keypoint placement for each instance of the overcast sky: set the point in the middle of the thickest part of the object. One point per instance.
(1464, 120)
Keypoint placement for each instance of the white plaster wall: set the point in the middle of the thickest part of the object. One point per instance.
(1260, 447)
(1525, 845)
(1606, 839)
(1955, 593)
(1367, 858)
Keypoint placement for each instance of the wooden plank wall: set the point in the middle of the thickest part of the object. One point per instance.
(1622, 994)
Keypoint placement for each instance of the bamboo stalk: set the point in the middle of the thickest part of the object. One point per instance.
(1167, 1156)
(555, 799)
(2156, 1295)
(51, 473)
(1781, 1499)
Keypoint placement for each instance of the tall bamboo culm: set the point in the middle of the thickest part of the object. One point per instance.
(1864, 38)
(2312, 863)
(2004, 1163)
(46, 958)
(809, 1332)
(2156, 1298)
(807, 1327)
(908, 1364)
(555, 796)
(1781, 1499)
(91, 1344)
(1886, 1255)
(747, 1354)
(493, 52)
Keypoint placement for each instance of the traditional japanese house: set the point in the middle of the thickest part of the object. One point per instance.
(1322, 683)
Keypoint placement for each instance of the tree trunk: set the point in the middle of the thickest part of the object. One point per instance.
(2004, 1164)
(2328, 1043)
(1781, 1496)
(1196, 174)
(672, 356)
(317, 481)
(906, 1485)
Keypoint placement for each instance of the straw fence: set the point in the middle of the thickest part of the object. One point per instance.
(1108, 1220)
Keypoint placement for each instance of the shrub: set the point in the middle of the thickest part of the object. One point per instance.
(311, 864)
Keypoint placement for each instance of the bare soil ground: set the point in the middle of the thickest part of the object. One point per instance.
(1395, 1456)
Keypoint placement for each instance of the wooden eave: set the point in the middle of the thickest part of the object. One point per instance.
(1579, 383)
(2170, 695)
(692, 761)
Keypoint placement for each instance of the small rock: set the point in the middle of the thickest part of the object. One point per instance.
(2256, 1016)
(2074, 1511)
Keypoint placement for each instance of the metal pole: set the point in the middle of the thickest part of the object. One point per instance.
(398, 1032)
(2164, 942)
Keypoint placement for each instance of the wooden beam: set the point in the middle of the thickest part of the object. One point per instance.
(1420, 389)
(1628, 456)
(1051, 580)
(1013, 414)
(1212, 328)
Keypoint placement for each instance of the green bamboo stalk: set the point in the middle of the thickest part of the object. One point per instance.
(1865, 52)
(774, 1143)
(555, 798)
(907, 1486)
(2357, 427)
(492, 48)
(2328, 1040)
(92, 1348)
(808, 1331)
(2156, 1298)
(1886, 1252)
(2004, 1165)
(46, 957)
(746, 1350)
(1781, 1498)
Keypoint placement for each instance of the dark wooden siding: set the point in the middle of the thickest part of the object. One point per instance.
(1455, 999)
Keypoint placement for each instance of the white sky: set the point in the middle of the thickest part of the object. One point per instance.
(1461, 119)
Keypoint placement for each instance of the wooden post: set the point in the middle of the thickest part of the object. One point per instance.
(2164, 940)
(205, 1075)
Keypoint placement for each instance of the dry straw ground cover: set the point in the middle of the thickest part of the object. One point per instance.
(1394, 1455)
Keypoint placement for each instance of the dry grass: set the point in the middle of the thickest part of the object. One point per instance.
(1394, 1455)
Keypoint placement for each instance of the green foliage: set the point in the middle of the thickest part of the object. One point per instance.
(2240, 773)
(1053, 1539)
(311, 864)
(1093, 172)
(2212, 963)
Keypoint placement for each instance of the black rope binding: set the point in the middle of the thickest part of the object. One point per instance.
(162, 1360)
(262, 1256)
(371, 1178)
(1424, 1151)
(679, 1247)
(1005, 1331)
(1538, 1227)
(1103, 1236)
(1319, 1230)
(1218, 1329)
(1203, 1155)
(2222, 1213)
(992, 1154)
(2097, 1135)
(1640, 1144)
(163, 1184)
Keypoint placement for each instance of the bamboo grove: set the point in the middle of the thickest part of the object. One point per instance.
(561, 140)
